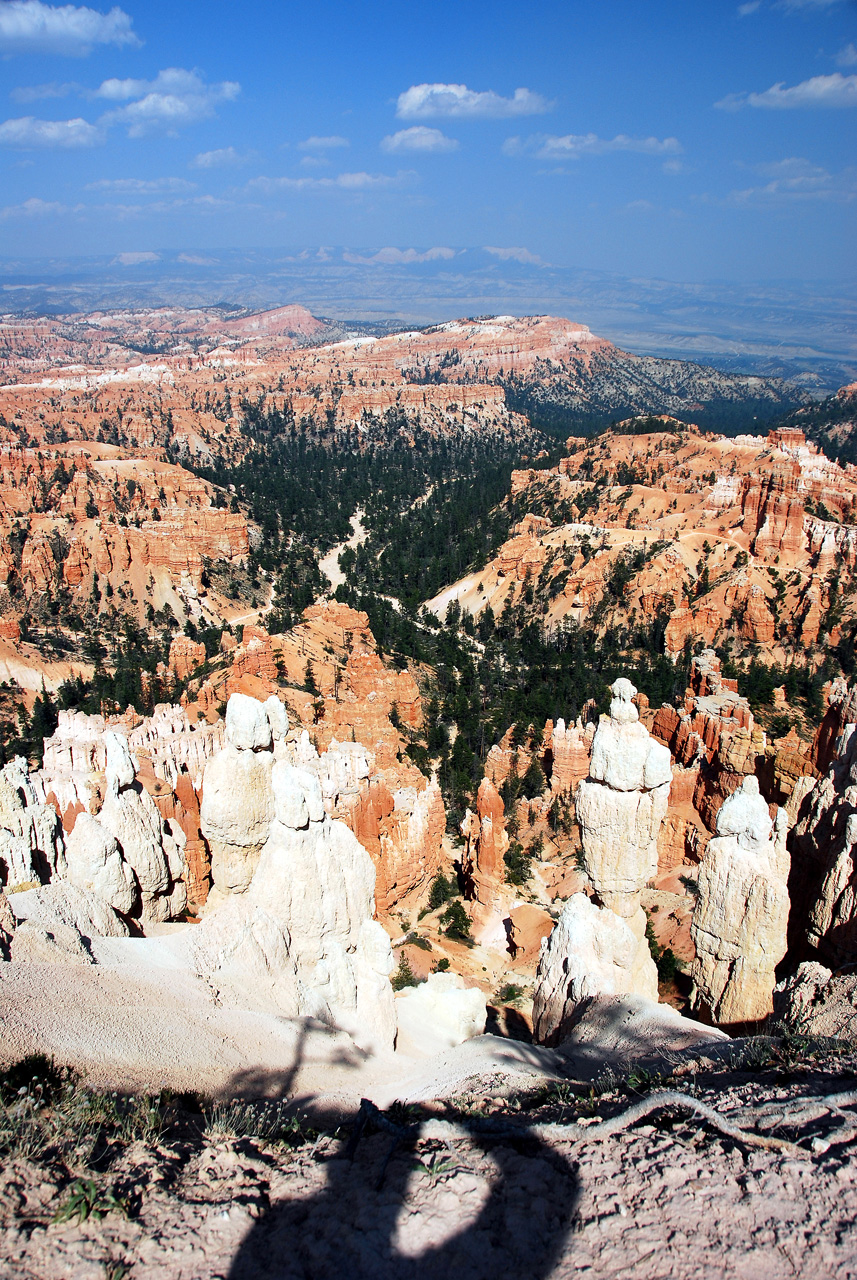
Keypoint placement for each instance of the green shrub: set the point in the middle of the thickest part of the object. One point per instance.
(455, 922)
(404, 975)
(441, 891)
(509, 993)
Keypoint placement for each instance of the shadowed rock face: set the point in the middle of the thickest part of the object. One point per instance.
(824, 842)
(740, 921)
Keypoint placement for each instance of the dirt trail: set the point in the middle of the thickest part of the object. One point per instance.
(330, 564)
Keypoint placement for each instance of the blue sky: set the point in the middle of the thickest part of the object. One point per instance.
(711, 140)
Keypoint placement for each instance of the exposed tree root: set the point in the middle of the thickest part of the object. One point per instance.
(792, 1112)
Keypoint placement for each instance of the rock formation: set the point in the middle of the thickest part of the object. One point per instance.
(153, 851)
(95, 865)
(31, 848)
(739, 924)
(485, 843)
(603, 950)
(621, 805)
(438, 1014)
(824, 851)
(296, 934)
(591, 952)
(816, 1002)
(238, 804)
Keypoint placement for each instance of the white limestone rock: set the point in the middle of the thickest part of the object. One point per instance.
(301, 940)
(120, 768)
(7, 926)
(62, 905)
(614, 1032)
(131, 816)
(247, 724)
(94, 864)
(590, 952)
(34, 943)
(236, 813)
(621, 805)
(815, 1002)
(31, 846)
(277, 718)
(619, 833)
(741, 914)
(437, 1015)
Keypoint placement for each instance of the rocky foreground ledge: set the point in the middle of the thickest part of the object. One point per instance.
(505, 1177)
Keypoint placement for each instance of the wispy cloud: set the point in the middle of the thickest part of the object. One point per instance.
(794, 180)
(518, 254)
(401, 257)
(573, 146)
(329, 143)
(27, 134)
(141, 186)
(28, 26)
(35, 208)
(835, 90)
(353, 182)
(221, 158)
(418, 138)
(424, 100)
(847, 57)
(792, 6)
(39, 92)
(174, 99)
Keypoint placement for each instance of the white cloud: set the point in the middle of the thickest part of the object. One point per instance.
(753, 6)
(398, 257)
(34, 208)
(141, 186)
(329, 143)
(805, 4)
(314, 162)
(571, 146)
(135, 259)
(847, 57)
(28, 26)
(424, 100)
(175, 98)
(28, 133)
(796, 179)
(222, 158)
(418, 138)
(835, 90)
(515, 255)
(38, 92)
(342, 182)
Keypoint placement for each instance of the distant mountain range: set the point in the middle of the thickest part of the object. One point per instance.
(803, 331)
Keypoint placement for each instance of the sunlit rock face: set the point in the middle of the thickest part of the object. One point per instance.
(622, 804)
(600, 948)
(741, 916)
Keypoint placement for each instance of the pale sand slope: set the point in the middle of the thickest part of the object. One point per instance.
(144, 1028)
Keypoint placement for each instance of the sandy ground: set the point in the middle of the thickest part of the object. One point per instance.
(665, 1199)
(149, 1028)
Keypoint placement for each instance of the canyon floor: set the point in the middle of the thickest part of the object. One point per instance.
(668, 1197)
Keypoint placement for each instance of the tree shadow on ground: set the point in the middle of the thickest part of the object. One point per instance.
(487, 1209)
